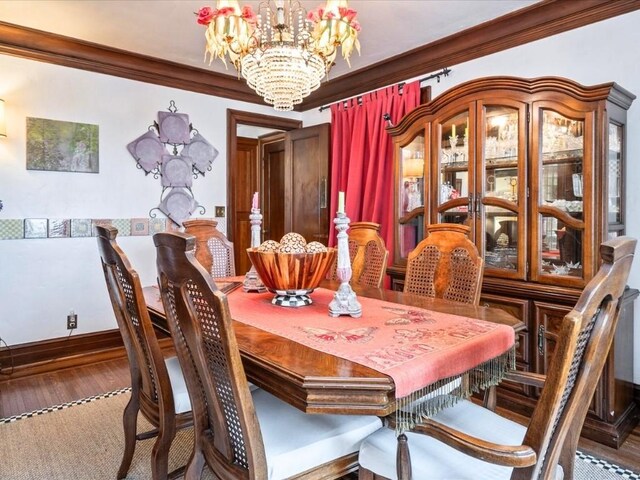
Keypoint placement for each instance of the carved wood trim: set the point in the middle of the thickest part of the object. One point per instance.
(517, 28)
(613, 91)
(57, 353)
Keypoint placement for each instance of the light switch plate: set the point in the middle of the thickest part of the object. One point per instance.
(220, 212)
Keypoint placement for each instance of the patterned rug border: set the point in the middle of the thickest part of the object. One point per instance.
(63, 406)
(609, 467)
(600, 463)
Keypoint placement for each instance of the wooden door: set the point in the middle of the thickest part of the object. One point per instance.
(307, 182)
(272, 185)
(244, 184)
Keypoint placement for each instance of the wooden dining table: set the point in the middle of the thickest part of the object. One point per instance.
(318, 382)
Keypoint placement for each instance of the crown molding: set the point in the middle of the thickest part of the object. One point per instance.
(70, 52)
(535, 22)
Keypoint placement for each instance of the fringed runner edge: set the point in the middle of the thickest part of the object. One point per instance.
(445, 393)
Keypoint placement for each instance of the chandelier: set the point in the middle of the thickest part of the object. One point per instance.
(282, 51)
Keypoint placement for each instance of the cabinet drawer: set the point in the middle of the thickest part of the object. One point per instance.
(547, 320)
(518, 308)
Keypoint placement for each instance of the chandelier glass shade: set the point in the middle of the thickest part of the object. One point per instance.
(282, 51)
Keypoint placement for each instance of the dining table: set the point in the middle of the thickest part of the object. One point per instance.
(313, 380)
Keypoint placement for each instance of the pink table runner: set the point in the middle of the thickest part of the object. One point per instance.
(417, 348)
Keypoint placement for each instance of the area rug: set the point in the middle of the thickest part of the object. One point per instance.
(83, 440)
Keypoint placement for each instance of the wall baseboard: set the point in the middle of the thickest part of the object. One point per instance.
(58, 353)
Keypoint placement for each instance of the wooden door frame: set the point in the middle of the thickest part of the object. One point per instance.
(235, 117)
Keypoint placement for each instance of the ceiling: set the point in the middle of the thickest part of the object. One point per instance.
(160, 42)
(168, 29)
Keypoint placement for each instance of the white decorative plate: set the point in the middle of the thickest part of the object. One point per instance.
(147, 150)
(174, 127)
(176, 171)
(201, 152)
(178, 205)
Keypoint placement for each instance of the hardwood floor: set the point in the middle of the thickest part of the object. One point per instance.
(39, 391)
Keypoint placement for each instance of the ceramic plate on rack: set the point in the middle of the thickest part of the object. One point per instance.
(176, 171)
(178, 205)
(147, 150)
(201, 152)
(174, 127)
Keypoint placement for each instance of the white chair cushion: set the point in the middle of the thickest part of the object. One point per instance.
(252, 387)
(295, 441)
(178, 386)
(433, 460)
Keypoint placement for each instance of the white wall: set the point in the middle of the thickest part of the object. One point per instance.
(599, 53)
(41, 280)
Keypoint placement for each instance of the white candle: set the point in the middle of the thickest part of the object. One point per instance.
(453, 130)
(254, 203)
(340, 202)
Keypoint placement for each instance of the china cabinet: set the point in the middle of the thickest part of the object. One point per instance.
(536, 168)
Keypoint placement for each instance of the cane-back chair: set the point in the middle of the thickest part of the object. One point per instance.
(446, 265)
(241, 434)
(468, 441)
(368, 255)
(158, 388)
(213, 250)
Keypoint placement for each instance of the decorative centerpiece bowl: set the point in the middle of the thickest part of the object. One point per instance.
(291, 276)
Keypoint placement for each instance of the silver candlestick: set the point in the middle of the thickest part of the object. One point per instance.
(252, 281)
(344, 300)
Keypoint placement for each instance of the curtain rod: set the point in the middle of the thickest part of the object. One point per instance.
(442, 73)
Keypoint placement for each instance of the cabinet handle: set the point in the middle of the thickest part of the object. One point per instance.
(477, 205)
(323, 192)
(470, 206)
(541, 339)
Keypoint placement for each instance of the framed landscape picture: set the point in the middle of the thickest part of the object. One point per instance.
(62, 146)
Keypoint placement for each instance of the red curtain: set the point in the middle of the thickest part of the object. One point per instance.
(362, 156)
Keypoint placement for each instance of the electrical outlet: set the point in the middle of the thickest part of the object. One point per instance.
(220, 212)
(72, 321)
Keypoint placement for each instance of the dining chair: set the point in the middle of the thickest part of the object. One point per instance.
(368, 255)
(446, 264)
(468, 441)
(158, 389)
(213, 250)
(241, 434)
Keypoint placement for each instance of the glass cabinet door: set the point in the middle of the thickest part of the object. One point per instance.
(501, 199)
(410, 199)
(454, 187)
(562, 190)
(614, 193)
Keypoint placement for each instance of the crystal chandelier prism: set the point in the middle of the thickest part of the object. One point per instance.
(282, 51)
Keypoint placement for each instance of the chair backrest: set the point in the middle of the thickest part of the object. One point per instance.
(200, 323)
(446, 265)
(213, 250)
(368, 255)
(584, 340)
(146, 362)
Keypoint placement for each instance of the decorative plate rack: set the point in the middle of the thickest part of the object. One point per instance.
(175, 152)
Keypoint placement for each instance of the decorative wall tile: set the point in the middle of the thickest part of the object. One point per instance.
(11, 229)
(103, 222)
(59, 228)
(35, 227)
(18, 228)
(123, 225)
(172, 226)
(157, 225)
(139, 226)
(80, 227)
